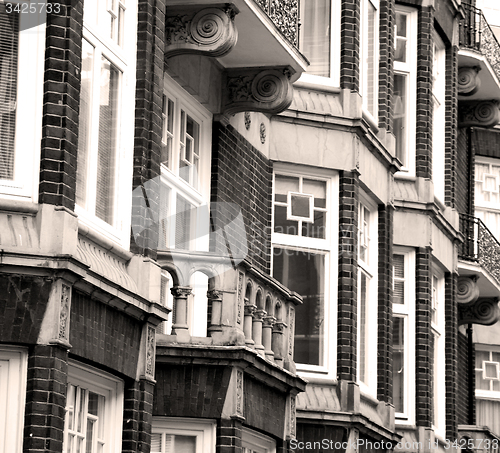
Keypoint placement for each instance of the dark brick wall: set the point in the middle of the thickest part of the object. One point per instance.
(451, 355)
(423, 353)
(348, 271)
(307, 432)
(190, 390)
(384, 349)
(451, 118)
(148, 122)
(424, 93)
(23, 301)
(45, 399)
(386, 65)
(137, 416)
(243, 176)
(464, 173)
(61, 95)
(350, 44)
(228, 436)
(264, 407)
(104, 335)
(463, 381)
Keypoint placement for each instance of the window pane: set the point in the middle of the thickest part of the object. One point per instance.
(370, 62)
(281, 224)
(317, 229)
(108, 129)
(401, 37)
(398, 370)
(316, 188)
(156, 443)
(400, 113)
(84, 123)
(93, 403)
(315, 35)
(164, 219)
(183, 225)
(285, 184)
(300, 205)
(304, 273)
(399, 283)
(9, 36)
(185, 444)
(362, 330)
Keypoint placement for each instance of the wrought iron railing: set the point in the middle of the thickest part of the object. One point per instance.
(476, 34)
(285, 15)
(480, 245)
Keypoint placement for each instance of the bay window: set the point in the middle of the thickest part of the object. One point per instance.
(304, 217)
(176, 435)
(403, 334)
(320, 40)
(94, 411)
(106, 119)
(405, 88)
(21, 99)
(367, 295)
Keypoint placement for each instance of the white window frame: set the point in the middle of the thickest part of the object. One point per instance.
(254, 442)
(438, 116)
(328, 247)
(13, 374)
(409, 69)
(123, 57)
(202, 429)
(334, 79)
(199, 195)
(111, 388)
(487, 394)
(365, 4)
(29, 111)
(487, 211)
(406, 311)
(370, 269)
(439, 367)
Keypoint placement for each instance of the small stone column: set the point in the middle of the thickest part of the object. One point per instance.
(180, 325)
(247, 323)
(267, 336)
(277, 342)
(215, 298)
(258, 318)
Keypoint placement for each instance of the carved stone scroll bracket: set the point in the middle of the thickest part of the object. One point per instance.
(480, 113)
(467, 290)
(256, 90)
(208, 31)
(468, 80)
(484, 312)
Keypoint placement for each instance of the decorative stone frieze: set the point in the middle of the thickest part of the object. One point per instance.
(208, 31)
(481, 113)
(468, 80)
(483, 311)
(256, 90)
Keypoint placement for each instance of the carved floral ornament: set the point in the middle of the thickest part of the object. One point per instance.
(208, 31)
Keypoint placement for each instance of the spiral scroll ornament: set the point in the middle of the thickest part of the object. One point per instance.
(467, 290)
(484, 312)
(468, 80)
(484, 114)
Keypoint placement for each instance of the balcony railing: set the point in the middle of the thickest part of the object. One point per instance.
(480, 245)
(476, 34)
(285, 15)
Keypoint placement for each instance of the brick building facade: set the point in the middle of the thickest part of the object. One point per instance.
(224, 233)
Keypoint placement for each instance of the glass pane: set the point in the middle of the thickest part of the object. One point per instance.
(185, 444)
(315, 35)
(317, 189)
(90, 435)
(108, 130)
(281, 224)
(93, 403)
(304, 273)
(401, 37)
(490, 370)
(400, 113)
(481, 356)
(362, 329)
(183, 223)
(165, 195)
(285, 184)
(156, 443)
(316, 229)
(370, 59)
(398, 371)
(9, 37)
(84, 123)
(81, 408)
(300, 205)
(71, 402)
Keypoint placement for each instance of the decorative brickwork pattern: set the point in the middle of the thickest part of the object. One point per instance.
(451, 354)
(386, 64)
(61, 96)
(45, 399)
(228, 436)
(451, 118)
(104, 335)
(384, 362)
(148, 121)
(138, 407)
(348, 271)
(423, 353)
(264, 407)
(190, 391)
(350, 44)
(23, 300)
(424, 93)
(243, 176)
